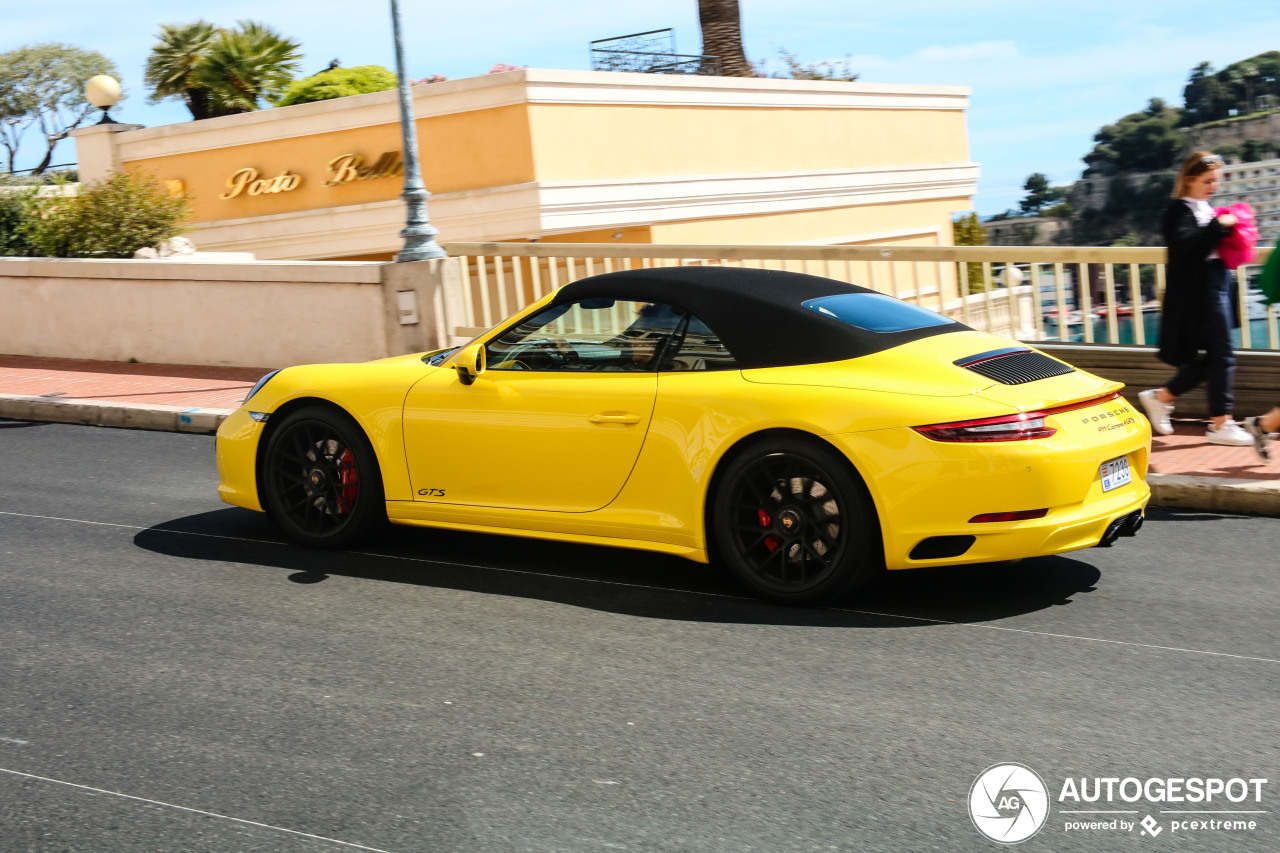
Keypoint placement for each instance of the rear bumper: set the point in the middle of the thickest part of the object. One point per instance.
(1016, 540)
(925, 489)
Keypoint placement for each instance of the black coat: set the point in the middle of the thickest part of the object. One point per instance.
(1190, 287)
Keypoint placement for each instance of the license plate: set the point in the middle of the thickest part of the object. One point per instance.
(1115, 473)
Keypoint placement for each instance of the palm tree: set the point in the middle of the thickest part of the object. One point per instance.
(722, 36)
(171, 67)
(219, 72)
(248, 64)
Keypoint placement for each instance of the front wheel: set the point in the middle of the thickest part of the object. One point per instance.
(794, 525)
(321, 481)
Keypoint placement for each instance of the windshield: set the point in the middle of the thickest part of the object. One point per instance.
(436, 359)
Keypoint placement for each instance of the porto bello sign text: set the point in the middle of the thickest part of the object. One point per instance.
(342, 169)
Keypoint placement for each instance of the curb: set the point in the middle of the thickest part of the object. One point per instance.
(126, 415)
(1222, 494)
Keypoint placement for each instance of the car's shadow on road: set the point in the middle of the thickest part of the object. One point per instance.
(623, 581)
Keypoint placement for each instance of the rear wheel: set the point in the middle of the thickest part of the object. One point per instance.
(321, 480)
(793, 524)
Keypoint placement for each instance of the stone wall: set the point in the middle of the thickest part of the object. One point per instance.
(1028, 231)
(1234, 132)
(255, 314)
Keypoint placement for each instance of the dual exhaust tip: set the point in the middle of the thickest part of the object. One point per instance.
(1125, 525)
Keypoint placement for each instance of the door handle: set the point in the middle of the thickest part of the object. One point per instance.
(614, 418)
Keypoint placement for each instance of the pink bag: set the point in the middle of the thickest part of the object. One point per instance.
(1239, 246)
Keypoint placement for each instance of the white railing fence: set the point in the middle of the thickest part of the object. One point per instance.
(1033, 293)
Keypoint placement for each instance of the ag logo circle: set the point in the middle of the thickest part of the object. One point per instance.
(1008, 803)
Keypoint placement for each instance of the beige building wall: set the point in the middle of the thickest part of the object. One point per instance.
(572, 156)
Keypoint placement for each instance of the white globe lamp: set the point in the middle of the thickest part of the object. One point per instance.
(1012, 276)
(103, 91)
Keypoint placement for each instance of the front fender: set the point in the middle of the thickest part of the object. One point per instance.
(371, 393)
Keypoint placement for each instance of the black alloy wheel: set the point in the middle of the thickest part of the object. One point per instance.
(794, 524)
(321, 481)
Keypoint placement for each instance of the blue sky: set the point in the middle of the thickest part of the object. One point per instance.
(1043, 79)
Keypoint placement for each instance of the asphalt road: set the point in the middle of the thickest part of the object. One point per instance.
(173, 678)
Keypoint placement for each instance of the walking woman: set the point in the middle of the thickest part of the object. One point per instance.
(1197, 316)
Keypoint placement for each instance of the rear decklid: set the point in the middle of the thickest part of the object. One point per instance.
(958, 364)
(1028, 379)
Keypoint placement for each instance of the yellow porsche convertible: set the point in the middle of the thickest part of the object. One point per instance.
(803, 432)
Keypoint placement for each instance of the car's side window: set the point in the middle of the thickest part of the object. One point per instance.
(698, 348)
(599, 335)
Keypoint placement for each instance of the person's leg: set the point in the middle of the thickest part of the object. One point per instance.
(1220, 364)
(1158, 402)
(1271, 420)
(1260, 429)
(1188, 377)
(1220, 357)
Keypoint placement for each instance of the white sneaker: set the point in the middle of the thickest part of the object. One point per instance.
(1230, 434)
(1157, 412)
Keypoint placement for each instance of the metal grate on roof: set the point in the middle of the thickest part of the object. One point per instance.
(1014, 366)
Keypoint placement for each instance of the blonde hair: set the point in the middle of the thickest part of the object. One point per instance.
(1196, 164)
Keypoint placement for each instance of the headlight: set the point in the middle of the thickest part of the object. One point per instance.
(263, 381)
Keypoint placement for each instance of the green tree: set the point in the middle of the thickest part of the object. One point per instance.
(172, 65)
(112, 218)
(1040, 194)
(13, 217)
(794, 69)
(42, 86)
(219, 72)
(1205, 96)
(1242, 87)
(338, 83)
(1250, 76)
(721, 24)
(1148, 141)
(1061, 210)
(968, 231)
(249, 64)
(1130, 206)
(1120, 272)
(1251, 150)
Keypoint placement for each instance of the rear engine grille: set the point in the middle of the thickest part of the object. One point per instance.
(1014, 366)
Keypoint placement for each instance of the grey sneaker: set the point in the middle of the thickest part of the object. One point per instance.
(1229, 434)
(1157, 412)
(1260, 438)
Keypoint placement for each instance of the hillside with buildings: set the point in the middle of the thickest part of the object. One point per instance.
(1129, 173)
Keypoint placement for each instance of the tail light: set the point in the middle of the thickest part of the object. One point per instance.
(1019, 427)
(1008, 428)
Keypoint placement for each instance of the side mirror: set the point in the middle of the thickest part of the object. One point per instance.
(469, 363)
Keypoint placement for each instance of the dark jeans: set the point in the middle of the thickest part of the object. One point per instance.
(1216, 363)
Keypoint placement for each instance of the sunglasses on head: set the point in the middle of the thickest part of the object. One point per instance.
(1212, 160)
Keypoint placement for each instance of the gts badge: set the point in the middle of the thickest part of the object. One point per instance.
(431, 493)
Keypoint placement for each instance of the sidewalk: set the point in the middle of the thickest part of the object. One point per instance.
(1186, 471)
(170, 397)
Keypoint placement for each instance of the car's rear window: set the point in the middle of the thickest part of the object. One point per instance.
(876, 312)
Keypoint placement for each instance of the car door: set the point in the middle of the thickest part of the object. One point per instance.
(556, 420)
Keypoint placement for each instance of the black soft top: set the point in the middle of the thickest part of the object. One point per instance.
(757, 314)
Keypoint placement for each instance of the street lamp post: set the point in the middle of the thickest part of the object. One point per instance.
(419, 235)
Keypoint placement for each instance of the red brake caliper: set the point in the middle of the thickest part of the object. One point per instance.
(773, 543)
(350, 482)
